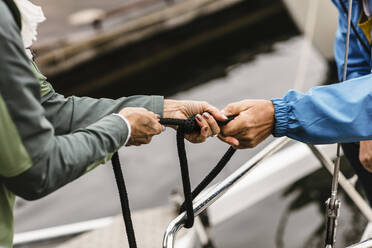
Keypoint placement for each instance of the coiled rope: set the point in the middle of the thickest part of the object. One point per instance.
(183, 127)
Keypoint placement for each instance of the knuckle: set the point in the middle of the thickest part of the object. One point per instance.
(226, 130)
(251, 144)
(249, 136)
(204, 135)
(248, 123)
(362, 159)
(229, 107)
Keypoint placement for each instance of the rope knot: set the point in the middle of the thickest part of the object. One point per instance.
(189, 125)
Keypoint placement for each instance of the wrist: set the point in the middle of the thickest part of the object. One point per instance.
(173, 109)
(126, 122)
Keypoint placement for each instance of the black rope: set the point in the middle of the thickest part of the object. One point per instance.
(185, 178)
(184, 127)
(124, 201)
(211, 176)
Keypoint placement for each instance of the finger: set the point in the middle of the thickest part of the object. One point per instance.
(235, 108)
(133, 144)
(235, 126)
(195, 138)
(153, 126)
(205, 130)
(143, 140)
(158, 128)
(216, 113)
(215, 129)
(229, 140)
(365, 161)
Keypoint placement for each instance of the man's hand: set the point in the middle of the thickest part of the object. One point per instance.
(365, 154)
(206, 117)
(253, 124)
(144, 124)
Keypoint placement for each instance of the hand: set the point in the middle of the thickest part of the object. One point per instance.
(206, 117)
(365, 154)
(254, 123)
(144, 124)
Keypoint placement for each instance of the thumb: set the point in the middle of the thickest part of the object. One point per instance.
(236, 107)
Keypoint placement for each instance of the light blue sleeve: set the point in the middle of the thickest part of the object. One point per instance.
(327, 114)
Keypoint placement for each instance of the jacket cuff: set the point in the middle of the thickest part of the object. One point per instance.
(126, 122)
(281, 117)
(157, 105)
(118, 129)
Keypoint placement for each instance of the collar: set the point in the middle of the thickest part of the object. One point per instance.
(31, 16)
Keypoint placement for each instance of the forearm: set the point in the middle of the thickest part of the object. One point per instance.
(34, 160)
(67, 157)
(71, 113)
(327, 114)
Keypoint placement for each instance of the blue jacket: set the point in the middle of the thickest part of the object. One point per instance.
(340, 112)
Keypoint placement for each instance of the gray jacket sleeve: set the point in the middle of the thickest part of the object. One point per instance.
(56, 159)
(71, 113)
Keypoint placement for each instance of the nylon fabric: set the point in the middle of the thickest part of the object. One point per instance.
(7, 200)
(13, 155)
(15, 12)
(335, 113)
(45, 87)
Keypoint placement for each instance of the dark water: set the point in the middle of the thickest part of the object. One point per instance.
(243, 65)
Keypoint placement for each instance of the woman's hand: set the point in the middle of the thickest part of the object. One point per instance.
(206, 116)
(144, 124)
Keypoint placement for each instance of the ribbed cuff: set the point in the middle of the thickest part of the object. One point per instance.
(281, 117)
(128, 126)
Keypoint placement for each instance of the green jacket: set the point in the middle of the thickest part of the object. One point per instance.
(47, 140)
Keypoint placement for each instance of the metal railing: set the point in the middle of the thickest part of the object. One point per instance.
(212, 194)
(363, 244)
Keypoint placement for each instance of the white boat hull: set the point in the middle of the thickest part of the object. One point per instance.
(325, 24)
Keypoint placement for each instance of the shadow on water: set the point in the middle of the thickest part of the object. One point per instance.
(239, 34)
(307, 193)
(213, 59)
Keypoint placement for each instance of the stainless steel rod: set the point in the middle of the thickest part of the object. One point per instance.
(364, 244)
(349, 189)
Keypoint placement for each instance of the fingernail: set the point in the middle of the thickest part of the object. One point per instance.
(158, 117)
(198, 116)
(223, 113)
(206, 115)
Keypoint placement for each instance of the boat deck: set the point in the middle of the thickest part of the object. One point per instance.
(149, 226)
